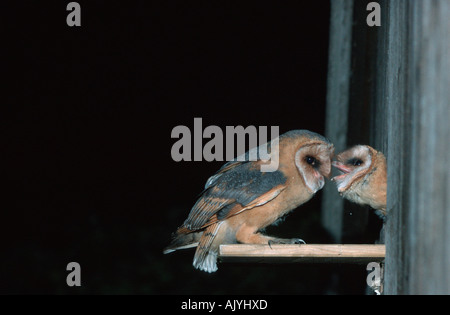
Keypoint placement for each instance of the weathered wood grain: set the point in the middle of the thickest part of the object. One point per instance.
(418, 109)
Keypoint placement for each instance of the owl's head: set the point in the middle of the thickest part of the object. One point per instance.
(353, 164)
(313, 158)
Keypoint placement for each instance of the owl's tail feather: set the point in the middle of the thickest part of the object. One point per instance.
(183, 241)
(205, 257)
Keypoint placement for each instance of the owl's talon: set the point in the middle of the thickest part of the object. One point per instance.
(298, 241)
(285, 241)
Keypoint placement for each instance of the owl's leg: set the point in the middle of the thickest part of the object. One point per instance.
(253, 238)
(248, 235)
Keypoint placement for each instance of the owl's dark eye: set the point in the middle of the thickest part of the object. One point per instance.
(355, 162)
(311, 161)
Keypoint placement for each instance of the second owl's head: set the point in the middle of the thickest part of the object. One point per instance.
(353, 164)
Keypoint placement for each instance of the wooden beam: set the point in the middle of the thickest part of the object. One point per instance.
(338, 95)
(305, 253)
(415, 71)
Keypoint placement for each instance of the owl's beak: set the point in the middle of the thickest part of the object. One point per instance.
(341, 167)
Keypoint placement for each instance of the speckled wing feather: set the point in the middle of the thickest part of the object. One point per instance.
(240, 186)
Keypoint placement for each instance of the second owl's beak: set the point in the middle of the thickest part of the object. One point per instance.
(341, 167)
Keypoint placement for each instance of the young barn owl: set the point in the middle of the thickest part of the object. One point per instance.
(240, 200)
(364, 177)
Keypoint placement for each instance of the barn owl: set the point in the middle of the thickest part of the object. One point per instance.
(363, 179)
(240, 200)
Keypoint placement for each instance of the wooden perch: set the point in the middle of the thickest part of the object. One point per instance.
(305, 253)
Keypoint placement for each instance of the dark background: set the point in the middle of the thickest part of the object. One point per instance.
(89, 114)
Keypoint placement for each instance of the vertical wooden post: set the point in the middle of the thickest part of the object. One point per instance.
(338, 93)
(418, 101)
(392, 94)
